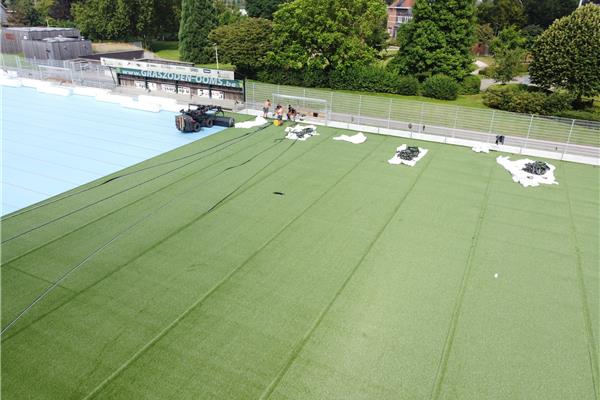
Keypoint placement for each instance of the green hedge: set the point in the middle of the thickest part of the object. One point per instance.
(374, 79)
(528, 100)
(440, 87)
(470, 85)
(369, 79)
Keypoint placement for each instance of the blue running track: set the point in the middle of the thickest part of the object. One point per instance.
(51, 144)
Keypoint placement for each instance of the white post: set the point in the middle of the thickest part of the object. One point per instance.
(528, 132)
(217, 57)
(359, 108)
(304, 99)
(330, 105)
(455, 122)
(254, 95)
(568, 140)
(389, 114)
(491, 126)
(420, 119)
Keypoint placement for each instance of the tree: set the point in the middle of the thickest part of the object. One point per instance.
(263, 8)
(438, 40)
(61, 9)
(544, 12)
(509, 39)
(104, 19)
(509, 50)
(530, 34)
(325, 35)
(123, 19)
(227, 14)
(501, 14)
(244, 44)
(198, 18)
(485, 34)
(508, 63)
(24, 13)
(567, 54)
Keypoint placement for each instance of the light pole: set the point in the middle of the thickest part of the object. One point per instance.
(217, 57)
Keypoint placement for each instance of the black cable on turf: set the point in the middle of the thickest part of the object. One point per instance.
(46, 291)
(119, 192)
(43, 204)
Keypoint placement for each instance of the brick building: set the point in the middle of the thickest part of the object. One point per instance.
(399, 12)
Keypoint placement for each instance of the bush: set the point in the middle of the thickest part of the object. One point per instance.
(581, 114)
(366, 78)
(440, 87)
(470, 85)
(374, 79)
(407, 86)
(528, 100)
(558, 102)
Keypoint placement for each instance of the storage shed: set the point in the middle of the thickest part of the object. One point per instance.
(11, 39)
(56, 48)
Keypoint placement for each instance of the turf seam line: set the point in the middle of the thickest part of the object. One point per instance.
(42, 295)
(40, 278)
(105, 181)
(170, 235)
(145, 197)
(448, 343)
(187, 311)
(110, 196)
(139, 221)
(589, 333)
(101, 200)
(302, 342)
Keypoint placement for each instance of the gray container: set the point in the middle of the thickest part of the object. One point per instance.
(57, 48)
(11, 38)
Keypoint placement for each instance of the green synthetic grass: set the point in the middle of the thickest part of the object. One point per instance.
(364, 280)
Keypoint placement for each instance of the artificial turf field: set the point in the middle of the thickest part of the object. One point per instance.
(187, 277)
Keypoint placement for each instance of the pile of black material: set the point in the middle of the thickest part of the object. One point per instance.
(409, 153)
(304, 132)
(536, 168)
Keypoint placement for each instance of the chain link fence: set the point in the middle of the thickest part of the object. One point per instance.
(553, 137)
(72, 72)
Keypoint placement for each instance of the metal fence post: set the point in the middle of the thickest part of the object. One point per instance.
(568, 139)
(420, 119)
(528, 132)
(389, 113)
(491, 125)
(253, 95)
(359, 108)
(330, 105)
(304, 99)
(455, 122)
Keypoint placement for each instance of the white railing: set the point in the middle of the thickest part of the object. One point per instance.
(550, 137)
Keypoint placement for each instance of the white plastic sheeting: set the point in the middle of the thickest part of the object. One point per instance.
(259, 121)
(481, 148)
(525, 178)
(411, 163)
(356, 139)
(6, 81)
(59, 91)
(142, 102)
(89, 91)
(295, 133)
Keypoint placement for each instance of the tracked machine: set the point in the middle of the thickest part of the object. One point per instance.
(199, 116)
